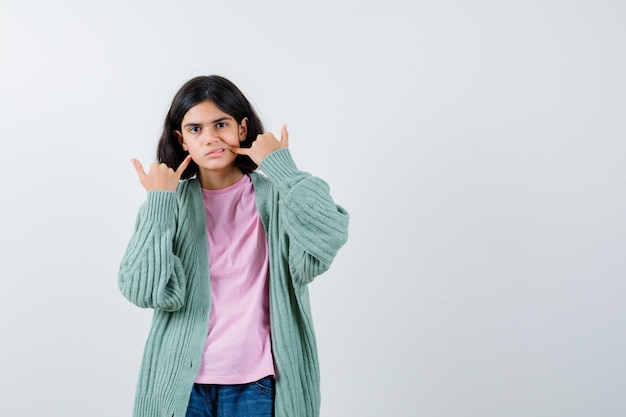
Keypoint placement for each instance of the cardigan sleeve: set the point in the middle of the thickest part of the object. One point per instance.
(315, 226)
(150, 274)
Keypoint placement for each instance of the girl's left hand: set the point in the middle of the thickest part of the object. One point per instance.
(264, 144)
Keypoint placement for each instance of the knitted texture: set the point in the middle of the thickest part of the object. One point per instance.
(166, 268)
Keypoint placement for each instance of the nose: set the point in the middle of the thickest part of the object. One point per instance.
(211, 137)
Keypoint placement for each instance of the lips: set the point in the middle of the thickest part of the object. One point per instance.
(216, 152)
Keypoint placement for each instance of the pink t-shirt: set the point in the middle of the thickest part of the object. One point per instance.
(238, 348)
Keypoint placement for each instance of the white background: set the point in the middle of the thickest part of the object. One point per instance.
(478, 145)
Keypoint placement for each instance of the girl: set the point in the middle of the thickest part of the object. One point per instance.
(223, 252)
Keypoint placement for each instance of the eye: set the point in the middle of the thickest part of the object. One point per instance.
(194, 129)
(220, 125)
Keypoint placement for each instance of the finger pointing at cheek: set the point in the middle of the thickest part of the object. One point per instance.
(264, 144)
(160, 176)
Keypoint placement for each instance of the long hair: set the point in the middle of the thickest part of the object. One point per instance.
(228, 98)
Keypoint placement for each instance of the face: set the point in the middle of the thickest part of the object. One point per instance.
(207, 133)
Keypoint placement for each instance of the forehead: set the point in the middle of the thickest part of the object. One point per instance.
(205, 112)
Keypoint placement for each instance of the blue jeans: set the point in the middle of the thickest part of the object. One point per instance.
(255, 399)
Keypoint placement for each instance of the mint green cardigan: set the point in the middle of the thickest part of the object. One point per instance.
(166, 268)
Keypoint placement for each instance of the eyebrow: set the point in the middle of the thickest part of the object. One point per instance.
(218, 120)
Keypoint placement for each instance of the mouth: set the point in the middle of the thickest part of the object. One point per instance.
(216, 152)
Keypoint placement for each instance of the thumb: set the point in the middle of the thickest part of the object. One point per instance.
(284, 135)
(138, 168)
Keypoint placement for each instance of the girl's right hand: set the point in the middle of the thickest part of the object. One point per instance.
(160, 176)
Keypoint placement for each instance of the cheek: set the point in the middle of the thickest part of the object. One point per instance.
(233, 140)
(190, 147)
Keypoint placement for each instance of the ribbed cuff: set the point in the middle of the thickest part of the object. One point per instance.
(279, 165)
(160, 205)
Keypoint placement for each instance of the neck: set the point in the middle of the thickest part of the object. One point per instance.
(217, 180)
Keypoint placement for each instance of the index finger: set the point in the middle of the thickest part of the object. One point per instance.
(239, 151)
(183, 165)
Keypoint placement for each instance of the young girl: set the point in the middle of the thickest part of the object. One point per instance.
(223, 252)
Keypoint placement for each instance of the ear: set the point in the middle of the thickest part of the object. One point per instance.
(179, 136)
(243, 129)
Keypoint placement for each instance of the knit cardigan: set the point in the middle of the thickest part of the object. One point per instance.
(166, 268)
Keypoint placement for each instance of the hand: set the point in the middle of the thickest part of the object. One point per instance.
(264, 144)
(160, 176)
